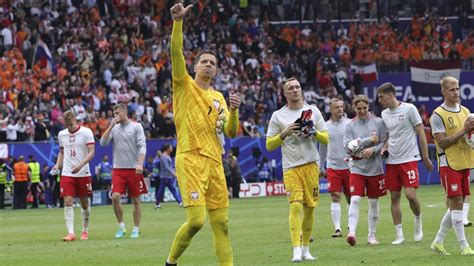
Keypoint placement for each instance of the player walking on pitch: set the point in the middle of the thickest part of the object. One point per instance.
(76, 149)
(449, 123)
(296, 127)
(337, 170)
(129, 150)
(363, 139)
(403, 123)
(201, 118)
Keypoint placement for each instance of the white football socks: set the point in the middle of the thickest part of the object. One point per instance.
(458, 225)
(465, 212)
(373, 216)
(446, 224)
(336, 215)
(85, 218)
(354, 214)
(69, 218)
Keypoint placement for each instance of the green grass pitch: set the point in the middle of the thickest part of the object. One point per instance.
(258, 228)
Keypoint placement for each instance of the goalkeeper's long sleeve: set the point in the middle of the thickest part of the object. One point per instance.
(231, 126)
(273, 142)
(322, 137)
(177, 58)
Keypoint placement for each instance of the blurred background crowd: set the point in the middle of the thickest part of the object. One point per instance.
(109, 51)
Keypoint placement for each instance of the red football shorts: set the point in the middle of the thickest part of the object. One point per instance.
(127, 180)
(372, 186)
(455, 183)
(80, 187)
(338, 180)
(404, 174)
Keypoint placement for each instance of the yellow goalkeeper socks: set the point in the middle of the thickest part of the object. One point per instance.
(196, 215)
(295, 223)
(308, 219)
(220, 230)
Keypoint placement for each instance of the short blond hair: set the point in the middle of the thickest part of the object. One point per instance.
(69, 115)
(448, 80)
(120, 106)
(288, 81)
(360, 98)
(335, 100)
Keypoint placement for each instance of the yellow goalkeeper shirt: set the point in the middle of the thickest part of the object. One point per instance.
(196, 109)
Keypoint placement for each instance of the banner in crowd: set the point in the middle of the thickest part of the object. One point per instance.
(368, 72)
(43, 55)
(426, 75)
(404, 90)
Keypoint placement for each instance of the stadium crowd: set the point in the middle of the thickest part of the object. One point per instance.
(106, 52)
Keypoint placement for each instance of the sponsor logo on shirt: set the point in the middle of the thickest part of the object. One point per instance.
(451, 123)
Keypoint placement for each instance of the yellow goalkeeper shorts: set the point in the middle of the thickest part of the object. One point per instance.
(302, 184)
(201, 181)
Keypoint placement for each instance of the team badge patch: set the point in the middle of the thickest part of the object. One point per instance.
(194, 195)
(72, 138)
(401, 117)
(454, 187)
(217, 104)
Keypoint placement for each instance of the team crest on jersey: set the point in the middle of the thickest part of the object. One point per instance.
(454, 187)
(72, 138)
(194, 195)
(217, 104)
(401, 117)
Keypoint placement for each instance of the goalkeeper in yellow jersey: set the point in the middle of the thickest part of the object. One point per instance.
(296, 127)
(201, 118)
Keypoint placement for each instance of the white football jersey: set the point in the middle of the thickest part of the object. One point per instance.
(402, 138)
(296, 150)
(74, 146)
